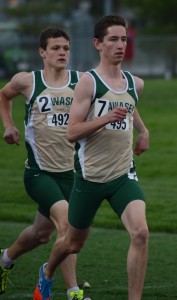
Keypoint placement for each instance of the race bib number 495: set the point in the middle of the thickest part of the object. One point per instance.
(120, 125)
(101, 108)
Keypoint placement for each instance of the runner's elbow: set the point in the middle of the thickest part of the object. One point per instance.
(70, 138)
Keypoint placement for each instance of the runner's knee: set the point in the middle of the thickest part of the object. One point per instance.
(42, 236)
(76, 246)
(140, 236)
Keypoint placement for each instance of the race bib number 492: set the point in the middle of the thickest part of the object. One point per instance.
(60, 119)
(45, 107)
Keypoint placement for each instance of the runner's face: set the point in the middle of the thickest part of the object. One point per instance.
(57, 52)
(113, 46)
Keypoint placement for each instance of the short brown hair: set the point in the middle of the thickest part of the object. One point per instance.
(104, 22)
(51, 32)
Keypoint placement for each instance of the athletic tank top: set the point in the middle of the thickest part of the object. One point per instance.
(46, 119)
(106, 154)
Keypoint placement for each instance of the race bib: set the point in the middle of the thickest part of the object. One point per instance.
(60, 119)
(120, 125)
(101, 109)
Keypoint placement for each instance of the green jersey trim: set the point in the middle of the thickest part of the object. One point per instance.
(74, 79)
(101, 89)
(131, 86)
(38, 88)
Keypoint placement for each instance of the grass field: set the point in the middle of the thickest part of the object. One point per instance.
(157, 170)
(104, 270)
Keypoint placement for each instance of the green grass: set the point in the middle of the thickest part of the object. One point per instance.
(104, 270)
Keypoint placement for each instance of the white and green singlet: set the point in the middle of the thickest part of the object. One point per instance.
(107, 154)
(46, 119)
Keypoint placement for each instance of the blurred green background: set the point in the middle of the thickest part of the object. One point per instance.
(152, 34)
